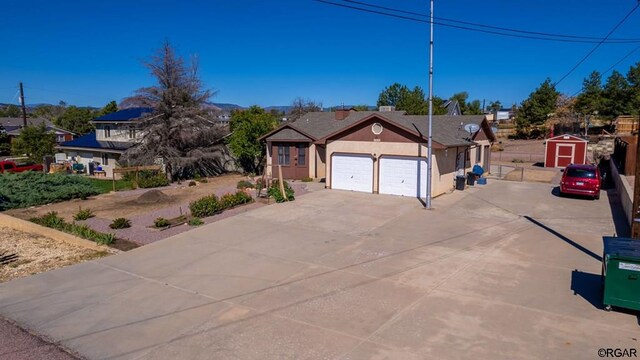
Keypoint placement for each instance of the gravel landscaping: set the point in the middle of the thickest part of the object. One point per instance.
(172, 202)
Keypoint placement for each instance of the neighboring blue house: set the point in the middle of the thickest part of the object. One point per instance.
(115, 133)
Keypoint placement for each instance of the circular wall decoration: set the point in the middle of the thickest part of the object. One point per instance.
(376, 128)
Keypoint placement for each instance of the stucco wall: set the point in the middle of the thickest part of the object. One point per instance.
(321, 163)
(624, 190)
(443, 168)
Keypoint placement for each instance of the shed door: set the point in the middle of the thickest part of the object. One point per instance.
(352, 172)
(564, 154)
(406, 176)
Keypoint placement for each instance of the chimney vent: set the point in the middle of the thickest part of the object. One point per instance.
(342, 114)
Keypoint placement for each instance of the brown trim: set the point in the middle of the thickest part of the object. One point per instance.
(263, 137)
(324, 139)
(373, 158)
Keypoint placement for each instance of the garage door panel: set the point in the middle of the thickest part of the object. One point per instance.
(405, 176)
(352, 172)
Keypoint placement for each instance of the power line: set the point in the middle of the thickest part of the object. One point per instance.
(598, 45)
(612, 66)
(490, 26)
(501, 33)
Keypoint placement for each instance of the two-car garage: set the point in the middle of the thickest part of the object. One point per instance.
(406, 176)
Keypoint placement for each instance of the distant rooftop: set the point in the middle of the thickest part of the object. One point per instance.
(125, 114)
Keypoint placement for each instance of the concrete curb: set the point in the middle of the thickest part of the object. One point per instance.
(29, 227)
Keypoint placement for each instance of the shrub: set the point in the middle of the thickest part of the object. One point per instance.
(204, 180)
(307, 179)
(243, 198)
(206, 206)
(195, 221)
(192, 183)
(120, 223)
(150, 179)
(52, 220)
(274, 191)
(83, 214)
(244, 184)
(161, 222)
(228, 201)
(32, 188)
(517, 161)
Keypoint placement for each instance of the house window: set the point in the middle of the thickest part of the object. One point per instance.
(283, 155)
(60, 138)
(302, 156)
(107, 131)
(105, 159)
(132, 132)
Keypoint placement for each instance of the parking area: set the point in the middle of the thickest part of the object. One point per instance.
(506, 270)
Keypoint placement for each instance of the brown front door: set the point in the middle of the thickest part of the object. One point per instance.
(294, 159)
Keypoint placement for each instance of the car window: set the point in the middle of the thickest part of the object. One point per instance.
(8, 166)
(581, 173)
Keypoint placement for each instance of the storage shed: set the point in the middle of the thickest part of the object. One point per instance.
(563, 150)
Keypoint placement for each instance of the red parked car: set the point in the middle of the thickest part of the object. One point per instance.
(13, 167)
(581, 180)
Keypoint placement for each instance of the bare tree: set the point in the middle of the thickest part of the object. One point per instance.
(179, 132)
(301, 106)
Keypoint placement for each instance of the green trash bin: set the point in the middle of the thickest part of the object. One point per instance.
(621, 273)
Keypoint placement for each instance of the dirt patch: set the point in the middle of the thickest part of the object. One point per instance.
(152, 197)
(531, 174)
(31, 254)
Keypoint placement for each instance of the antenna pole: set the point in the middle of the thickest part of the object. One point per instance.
(427, 203)
(24, 109)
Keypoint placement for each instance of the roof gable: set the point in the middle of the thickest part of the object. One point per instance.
(567, 137)
(288, 133)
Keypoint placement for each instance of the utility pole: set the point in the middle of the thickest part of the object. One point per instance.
(24, 109)
(427, 203)
(635, 214)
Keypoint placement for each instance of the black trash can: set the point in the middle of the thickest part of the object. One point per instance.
(471, 179)
(460, 182)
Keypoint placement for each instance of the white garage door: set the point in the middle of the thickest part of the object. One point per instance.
(352, 172)
(405, 176)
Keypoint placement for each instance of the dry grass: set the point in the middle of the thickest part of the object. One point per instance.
(530, 174)
(38, 254)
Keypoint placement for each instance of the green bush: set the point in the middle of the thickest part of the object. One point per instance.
(161, 222)
(83, 214)
(274, 191)
(244, 184)
(120, 223)
(206, 206)
(32, 188)
(52, 220)
(195, 221)
(307, 179)
(151, 179)
(211, 205)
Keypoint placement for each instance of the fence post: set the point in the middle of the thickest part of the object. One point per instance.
(521, 174)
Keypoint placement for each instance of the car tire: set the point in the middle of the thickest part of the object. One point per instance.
(597, 197)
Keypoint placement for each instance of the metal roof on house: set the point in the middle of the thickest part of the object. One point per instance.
(447, 130)
(125, 114)
(90, 142)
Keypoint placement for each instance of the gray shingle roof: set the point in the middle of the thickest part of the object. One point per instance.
(288, 134)
(447, 130)
(11, 121)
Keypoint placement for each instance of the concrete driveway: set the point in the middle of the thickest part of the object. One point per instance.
(506, 270)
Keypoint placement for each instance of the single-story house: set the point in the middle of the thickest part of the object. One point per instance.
(115, 133)
(13, 126)
(378, 151)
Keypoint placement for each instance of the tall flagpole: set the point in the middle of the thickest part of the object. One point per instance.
(427, 203)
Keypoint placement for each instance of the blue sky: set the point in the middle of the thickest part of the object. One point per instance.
(269, 52)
